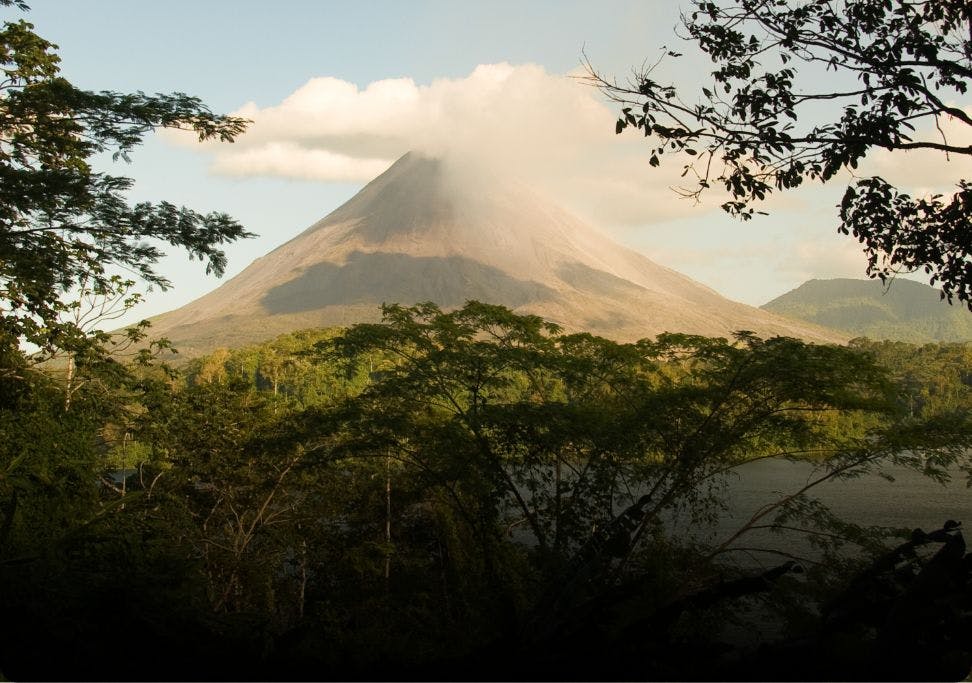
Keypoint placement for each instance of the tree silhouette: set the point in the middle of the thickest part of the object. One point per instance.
(61, 222)
(888, 68)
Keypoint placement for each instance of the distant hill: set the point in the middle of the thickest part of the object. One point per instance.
(908, 311)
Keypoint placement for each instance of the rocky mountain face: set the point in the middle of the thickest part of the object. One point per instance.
(425, 230)
(905, 311)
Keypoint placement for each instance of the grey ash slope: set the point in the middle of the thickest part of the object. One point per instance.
(423, 231)
(907, 311)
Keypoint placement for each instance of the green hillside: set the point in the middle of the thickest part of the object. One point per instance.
(908, 311)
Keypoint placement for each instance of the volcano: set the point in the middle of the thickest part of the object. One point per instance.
(426, 230)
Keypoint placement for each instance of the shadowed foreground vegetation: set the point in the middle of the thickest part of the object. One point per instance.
(473, 495)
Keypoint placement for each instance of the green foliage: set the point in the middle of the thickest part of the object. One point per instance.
(416, 493)
(544, 438)
(930, 379)
(71, 534)
(61, 222)
(759, 127)
(49, 461)
(285, 367)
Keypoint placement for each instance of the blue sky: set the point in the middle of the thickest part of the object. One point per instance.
(337, 89)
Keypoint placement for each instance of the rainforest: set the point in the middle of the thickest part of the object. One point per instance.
(474, 494)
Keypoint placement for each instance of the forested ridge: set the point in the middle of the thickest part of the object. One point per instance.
(904, 311)
(468, 494)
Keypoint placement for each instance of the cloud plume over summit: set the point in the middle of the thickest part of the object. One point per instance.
(497, 113)
(552, 131)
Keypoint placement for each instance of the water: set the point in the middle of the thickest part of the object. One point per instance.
(911, 501)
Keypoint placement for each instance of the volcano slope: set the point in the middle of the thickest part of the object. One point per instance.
(425, 230)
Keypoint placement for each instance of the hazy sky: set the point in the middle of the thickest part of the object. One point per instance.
(338, 90)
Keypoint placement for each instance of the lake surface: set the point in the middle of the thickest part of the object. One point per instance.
(911, 501)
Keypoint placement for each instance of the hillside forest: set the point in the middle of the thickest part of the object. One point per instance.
(472, 494)
(902, 310)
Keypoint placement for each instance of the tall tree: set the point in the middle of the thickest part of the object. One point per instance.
(61, 221)
(897, 67)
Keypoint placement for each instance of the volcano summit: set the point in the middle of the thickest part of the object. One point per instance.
(424, 231)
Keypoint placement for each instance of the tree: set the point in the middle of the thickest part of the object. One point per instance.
(583, 446)
(62, 223)
(66, 232)
(534, 482)
(549, 467)
(896, 66)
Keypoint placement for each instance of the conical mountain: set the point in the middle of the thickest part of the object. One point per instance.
(423, 231)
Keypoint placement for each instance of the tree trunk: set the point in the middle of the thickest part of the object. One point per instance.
(68, 383)
(387, 521)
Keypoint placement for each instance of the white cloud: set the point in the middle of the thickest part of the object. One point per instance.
(553, 131)
(290, 160)
(839, 256)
